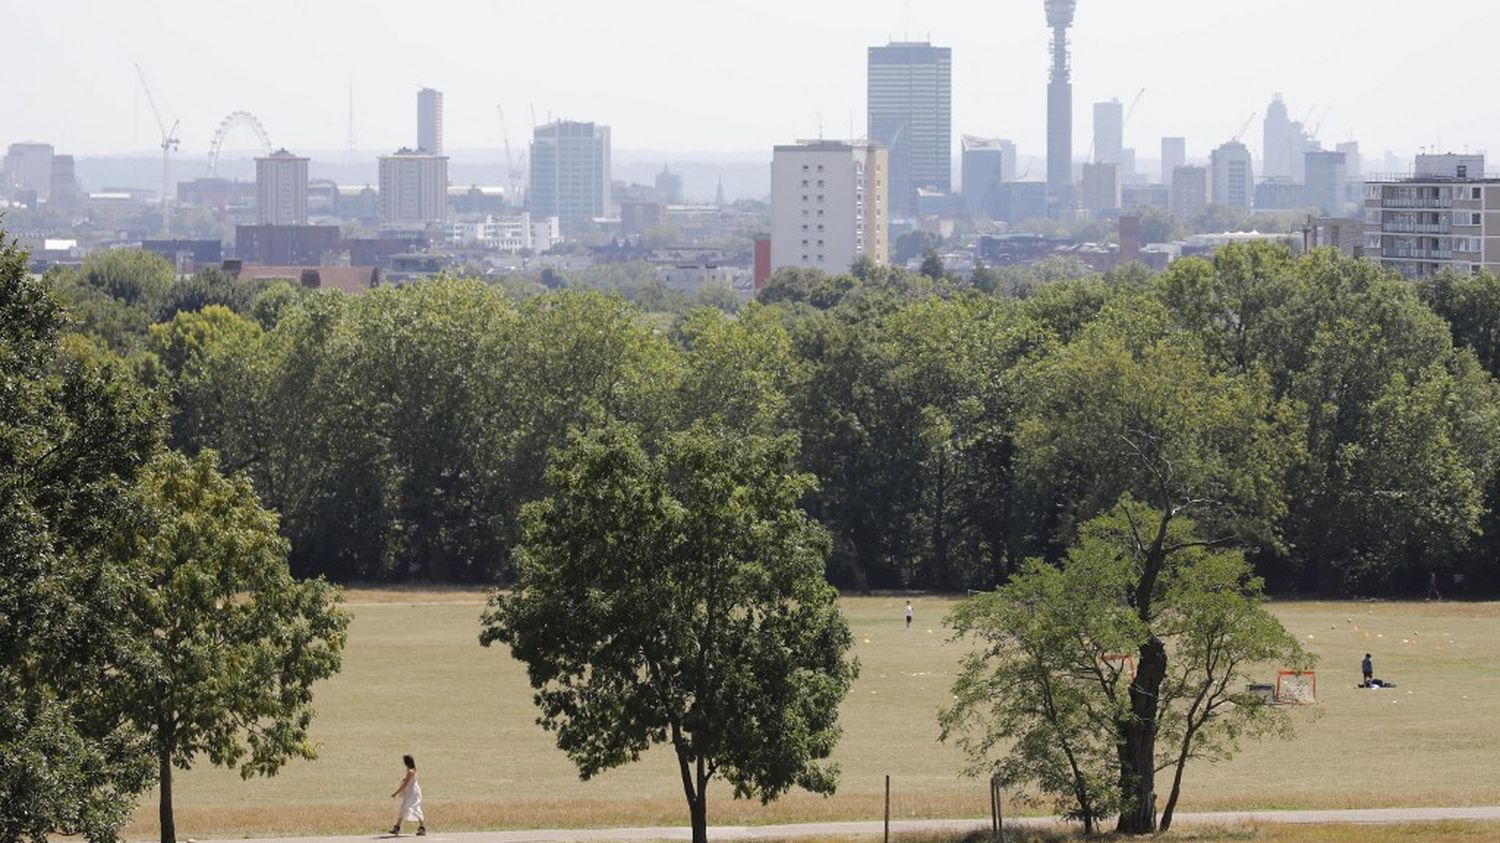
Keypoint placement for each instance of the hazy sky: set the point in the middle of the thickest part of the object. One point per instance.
(721, 76)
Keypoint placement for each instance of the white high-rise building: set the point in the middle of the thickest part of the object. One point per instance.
(1173, 155)
(430, 121)
(1232, 177)
(829, 205)
(910, 104)
(413, 188)
(1109, 132)
(281, 189)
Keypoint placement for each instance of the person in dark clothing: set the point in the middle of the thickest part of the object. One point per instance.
(1367, 667)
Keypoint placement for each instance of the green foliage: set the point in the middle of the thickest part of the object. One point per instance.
(932, 265)
(678, 598)
(206, 287)
(229, 644)
(1400, 427)
(75, 430)
(1470, 304)
(1130, 406)
(1046, 701)
(132, 276)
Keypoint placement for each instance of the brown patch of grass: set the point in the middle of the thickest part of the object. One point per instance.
(416, 680)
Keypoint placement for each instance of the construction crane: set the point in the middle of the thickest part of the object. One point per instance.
(1131, 110)
(1245, 128)
(512, 171)
(1324, 119)
(168, 145)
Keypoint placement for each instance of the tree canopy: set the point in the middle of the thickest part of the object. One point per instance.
(677, 597)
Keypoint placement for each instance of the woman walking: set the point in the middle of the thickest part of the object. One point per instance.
(411, 798)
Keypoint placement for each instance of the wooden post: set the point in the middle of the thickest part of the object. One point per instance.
(887, 808)
(999, 811)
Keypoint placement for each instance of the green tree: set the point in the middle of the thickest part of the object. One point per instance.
(135, 277)
(1051, 688)
(1131, 408)
(210, 286)
(230, 644)
(208, 368)
(679, 598)
(1400, 426)
(1470, 304)
(932, 265)
(75, 430)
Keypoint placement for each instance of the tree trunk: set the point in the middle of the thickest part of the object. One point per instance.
(168, 827)
(1138, 745)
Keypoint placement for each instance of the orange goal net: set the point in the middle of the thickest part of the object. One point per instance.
(1296, 687)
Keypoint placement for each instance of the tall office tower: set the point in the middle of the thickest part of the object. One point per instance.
(910, 102)
(1173, 155)
(430, 121)
(1101, 188)
(281, 189)
(1352, 160)
(668, 187)
(829, 204)
(1231, 177)
(982, 172)
(413, 188)
(1008, 165)
(1327, 175)
(1277, 138)
(62, 184)
(1060, 106)
(1189, 190)
(29, 166)
(570, 172)
(1109, 132)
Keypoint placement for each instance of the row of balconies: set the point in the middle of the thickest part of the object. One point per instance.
(1417, 254)
(1416, 202)
(1417, 227)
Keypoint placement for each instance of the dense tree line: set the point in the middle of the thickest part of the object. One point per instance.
(399, 433)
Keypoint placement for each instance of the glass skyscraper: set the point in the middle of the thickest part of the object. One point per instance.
(910, 102)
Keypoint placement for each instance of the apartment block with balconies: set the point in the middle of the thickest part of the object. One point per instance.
(1445, 215)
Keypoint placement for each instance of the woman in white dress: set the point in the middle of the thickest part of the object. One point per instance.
(411, 798)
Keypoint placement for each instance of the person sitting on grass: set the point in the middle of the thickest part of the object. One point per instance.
(411, 798)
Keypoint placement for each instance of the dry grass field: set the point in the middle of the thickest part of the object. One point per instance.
(416, 680)
(1402, 833)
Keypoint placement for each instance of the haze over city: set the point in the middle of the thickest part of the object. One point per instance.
(682, 77)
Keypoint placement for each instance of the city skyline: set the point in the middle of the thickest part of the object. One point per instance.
(789, 71)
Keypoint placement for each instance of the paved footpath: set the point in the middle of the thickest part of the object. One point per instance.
(874, 829)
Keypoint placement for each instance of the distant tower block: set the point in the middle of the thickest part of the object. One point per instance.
(1060, 105)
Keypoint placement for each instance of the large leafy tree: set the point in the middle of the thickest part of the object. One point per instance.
(75, 430)
(1401, 427)
(227, 643)
(1049, 689)
(678, 598)
(1131, 407)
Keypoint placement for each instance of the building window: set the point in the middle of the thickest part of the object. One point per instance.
(820, 182)
(820, 244)
(804, 169)
(820, 258)
(804, 226)
(1474, 193)
(804, 258)
(804, 182)
(820, 226)
(820, 168)
(1475, 219)
(820, 197)
(804, 242)
(804, 197)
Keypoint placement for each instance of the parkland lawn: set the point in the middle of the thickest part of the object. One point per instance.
(415, 680)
